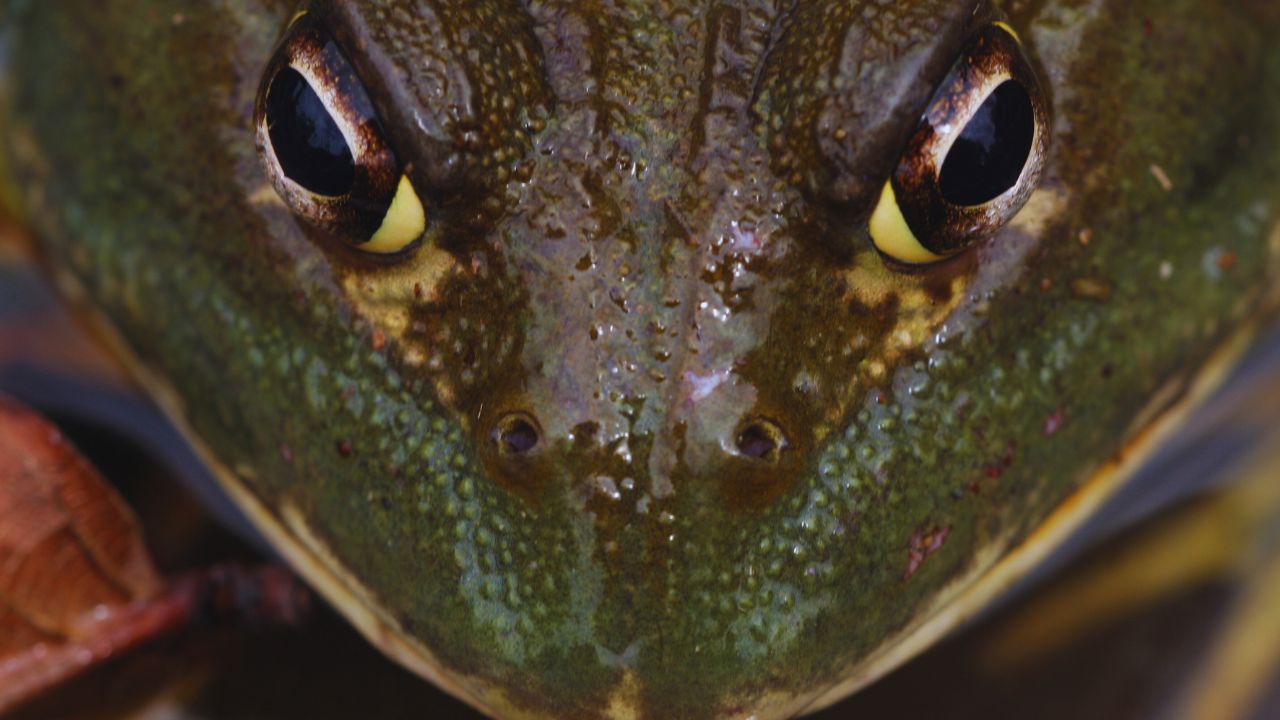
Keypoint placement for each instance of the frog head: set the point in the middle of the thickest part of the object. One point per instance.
(660, 360)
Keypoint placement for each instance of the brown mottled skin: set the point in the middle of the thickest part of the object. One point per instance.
(647, 229)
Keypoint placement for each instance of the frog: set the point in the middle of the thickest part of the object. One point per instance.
(658, 359)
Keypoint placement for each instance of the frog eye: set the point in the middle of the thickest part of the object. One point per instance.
(325, 149)
(974, 159)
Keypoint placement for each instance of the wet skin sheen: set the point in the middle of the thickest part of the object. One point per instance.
(644, 422)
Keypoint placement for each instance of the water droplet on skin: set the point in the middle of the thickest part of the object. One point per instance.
(607, 487)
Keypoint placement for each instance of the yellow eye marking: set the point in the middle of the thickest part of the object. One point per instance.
(892, 235)
(296, 17)
(404, 222)
(1009, 29)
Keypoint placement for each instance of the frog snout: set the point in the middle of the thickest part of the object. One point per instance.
(748, 461)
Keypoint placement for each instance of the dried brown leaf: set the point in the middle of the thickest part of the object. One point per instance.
(75, 578)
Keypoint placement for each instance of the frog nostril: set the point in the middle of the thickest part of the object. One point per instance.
(762, 439)
(515, 434)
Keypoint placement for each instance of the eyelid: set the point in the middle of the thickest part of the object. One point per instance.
(377, 208)
(918, 219)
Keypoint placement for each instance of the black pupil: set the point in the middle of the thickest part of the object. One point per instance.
(308, 144)
(990, 153)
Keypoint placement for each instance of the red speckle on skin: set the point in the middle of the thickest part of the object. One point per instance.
(1009, 451)
(924, 543)
(996, 469)
(1054, 422)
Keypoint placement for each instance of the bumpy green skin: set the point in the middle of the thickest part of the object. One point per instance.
(660, 181)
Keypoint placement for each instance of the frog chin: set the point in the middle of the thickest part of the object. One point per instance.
(994, 572)
(999, 567)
